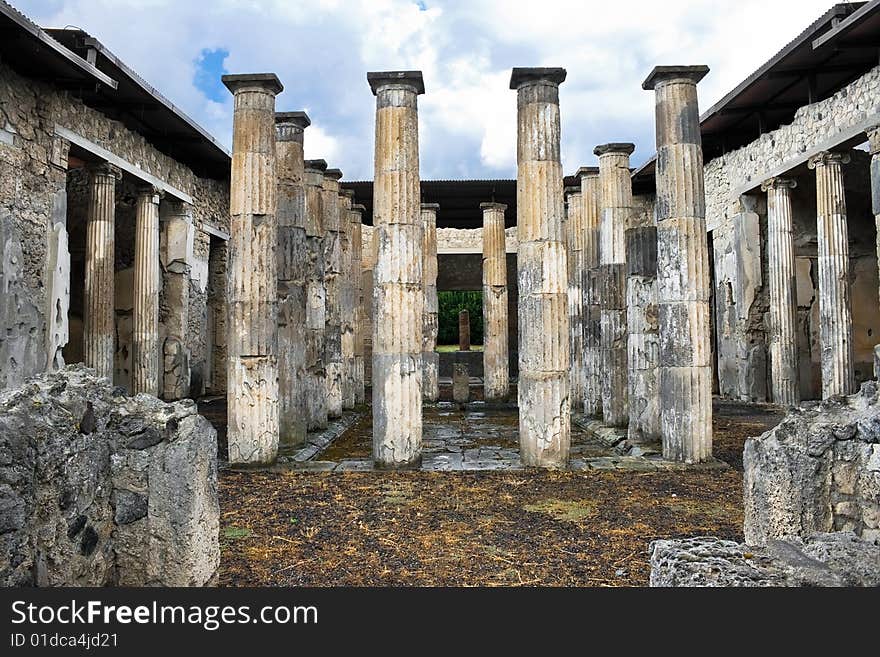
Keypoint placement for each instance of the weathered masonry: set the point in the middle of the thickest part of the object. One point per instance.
(113, 222)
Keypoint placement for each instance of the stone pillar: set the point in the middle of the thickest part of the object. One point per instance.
(430, 357)
(835, 313)
(464, 330)
(369, 265)
(399, 293)
(874, 142)
(574, 241)
(783, 338)
(643, 340)
(346, 300)
(316, 313)
(252, 373)
(496, 367)
(145, 331)
(543, 388)
(682, 267)
(355, 218)
(592, 315)
(615, 203)
(176, 252)
(99, 327)
(461, 383)
(293, 271)
(332, 293)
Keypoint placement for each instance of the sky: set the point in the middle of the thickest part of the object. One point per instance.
(322, 49)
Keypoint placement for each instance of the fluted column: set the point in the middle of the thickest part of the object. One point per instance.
(293, 262)
(835, 312)
(784, 380)
(682, 267)
(643, 340)
(252, 374)
(316, 311)
(874, 142)
(592, 315)
(145, 330)
(615, 203)
(430, 357)
(369, 265)
(543, 388)
(399, 292)
(574, 239)
(355, 218)
(346, 299)
(99, 330)
(332, 291)
(496, 368)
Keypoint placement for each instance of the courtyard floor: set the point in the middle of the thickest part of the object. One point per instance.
(591, 527)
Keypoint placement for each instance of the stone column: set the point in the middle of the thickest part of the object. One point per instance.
(682, 267)
(835, 313)
(874, 142)
(99, 327)
(316, 312)
(464, 330)
(145, 330)
(496, 366)
(574, 240)
(332, 293)
(176, 252)
(399, 293)
(643, 340)
(252, 374)
(592, 315)
(430, 357)
(615, 203)
(355, 218)
(543, 388)
(293, 271)
(369, 264)
(784, 380)
(346, 300)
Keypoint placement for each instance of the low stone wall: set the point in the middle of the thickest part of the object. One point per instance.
(97, 488)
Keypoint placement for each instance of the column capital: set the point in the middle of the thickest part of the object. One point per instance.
(150, 190)
(493, 206)
(319, 166)
(571, 190)
(587, 172)
(614, 148)
(828, 157)
(347, 193)
(661, 74)
(357, 207)
(104, 169)
(266, 82)
(431, 206)
(411, 80)
(873, 139)
(778, 183)
(520, 77)
(333, 174)
(297, 119)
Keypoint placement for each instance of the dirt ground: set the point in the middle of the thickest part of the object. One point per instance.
(514, 528)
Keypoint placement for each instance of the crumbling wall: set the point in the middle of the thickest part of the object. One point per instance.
(102, 489)
(36, 202)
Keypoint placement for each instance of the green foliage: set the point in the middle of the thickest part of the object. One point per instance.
(449, 304)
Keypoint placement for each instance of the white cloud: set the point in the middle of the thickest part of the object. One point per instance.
(322, 50)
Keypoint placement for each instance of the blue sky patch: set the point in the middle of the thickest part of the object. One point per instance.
(209, 68)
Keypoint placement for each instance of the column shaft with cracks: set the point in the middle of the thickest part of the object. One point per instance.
(355, 218)
(252, 373)
(874, 142)
(346, 300)
(543, 388)
(145, 330)
(682, 267)
(592, 315)
(496, 369)
(398, 287)
(574, 238)
(333, 364)
(316, 313)
(430, 357)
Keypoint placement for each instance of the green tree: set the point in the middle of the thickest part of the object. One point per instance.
(449, 304)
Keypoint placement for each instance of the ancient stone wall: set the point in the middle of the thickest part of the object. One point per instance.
(34, 191)
(738, 226)
(470, 240)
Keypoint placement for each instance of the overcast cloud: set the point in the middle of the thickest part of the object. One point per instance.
(322, 49)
